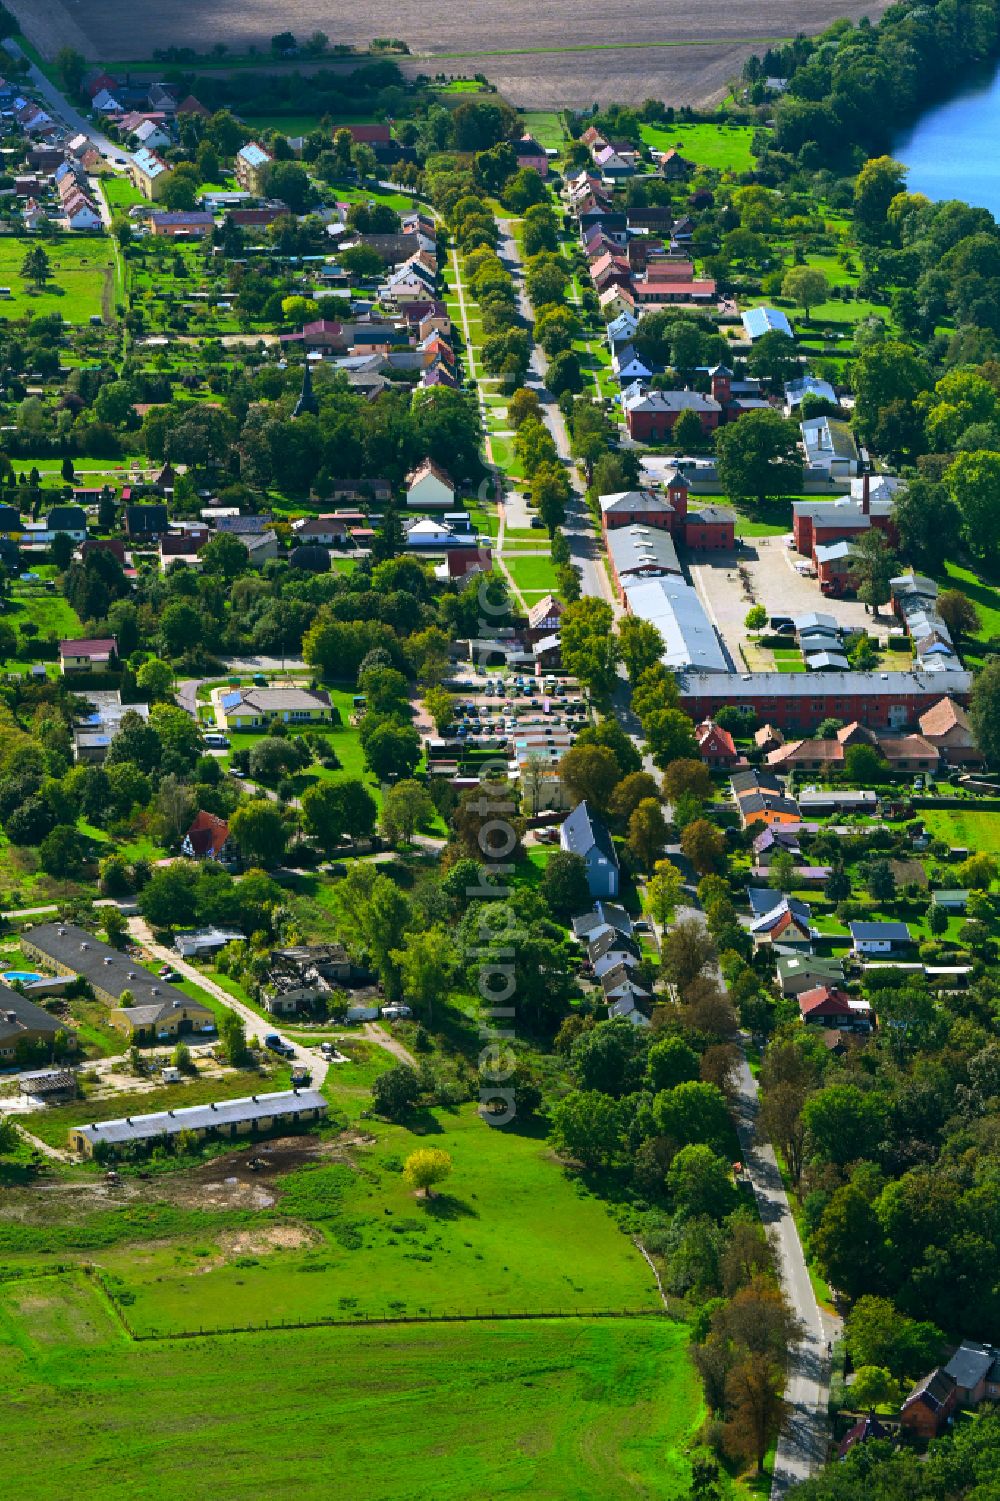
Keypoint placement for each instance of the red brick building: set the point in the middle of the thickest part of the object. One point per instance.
(798, 702)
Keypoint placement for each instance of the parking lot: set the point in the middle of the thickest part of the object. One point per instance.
(769, 566)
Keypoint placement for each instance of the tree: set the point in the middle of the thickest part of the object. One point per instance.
(781, 1118)
(878, 183)
(688, 949)
(937, 920)
(590, 774)
(704, 845)
(395, 1092)
(879, 1335)
(693, 1112)
(407, 806)
(587, 1126)
(978, 872)
(60, 853)
(700, 1182)
(72, 69)
(564, 884)
(233, 1039)
(756, 618)
(687, 432)
(391, 749)
(550, 490)
(758, 456)
(640, 645)
(805, 287)
(440, 706)
(664, 891)
(984, 711)
(670, 1062)
(874, 564)
(425, 1167)
(865, 765)
(334, 811)
(669, 735)
(426, 962)
(630, 792)
(647, 832)
(258, 830)
(226, 556)
(564, 374)
(687, 777)
(773, 359)
(156, 677)
(874, 1386)
(376, 914)
(926, 518)
(842, 1123)
(8, 641)
(757, 1408)
(361, 262)
(36, 266)
(958, 613)
(289, 182)
(135, 743)
(588, 643)
(881, 882)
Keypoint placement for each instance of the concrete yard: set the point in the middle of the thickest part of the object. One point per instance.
(774, 584)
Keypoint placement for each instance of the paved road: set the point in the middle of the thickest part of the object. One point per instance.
(584, 546)
(58, 105)
(802, 1446)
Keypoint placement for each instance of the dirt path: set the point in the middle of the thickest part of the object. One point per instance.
(375, 1032)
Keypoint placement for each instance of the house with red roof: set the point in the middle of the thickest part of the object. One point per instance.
(208, 839)
(829, 1006)
(717, 747)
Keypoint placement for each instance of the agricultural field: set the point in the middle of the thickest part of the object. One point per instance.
(550, 56)
(82, 285)
(519, 1409)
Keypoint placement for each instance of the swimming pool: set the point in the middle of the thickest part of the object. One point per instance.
(26, 976)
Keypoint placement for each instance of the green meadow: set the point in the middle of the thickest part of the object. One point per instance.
(554, 1409)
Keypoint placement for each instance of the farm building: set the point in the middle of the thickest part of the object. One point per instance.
(222, 1120)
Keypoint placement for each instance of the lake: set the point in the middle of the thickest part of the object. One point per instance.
(951, 151)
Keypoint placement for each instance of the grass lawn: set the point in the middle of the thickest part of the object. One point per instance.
(718, 146)
(490, 1241)
(290, 125)
(560, 1410)
(52, 1123)
(532, 574)
(51, 613)
(974, 830)
(546, 127)
(82, 284)
(119, 192)
(986, 598)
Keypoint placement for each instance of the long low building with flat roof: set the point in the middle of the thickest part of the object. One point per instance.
(691, 642)
(223, 1119)
(801, 701)
(638, 552)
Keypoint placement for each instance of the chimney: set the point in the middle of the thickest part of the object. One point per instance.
(866, 500)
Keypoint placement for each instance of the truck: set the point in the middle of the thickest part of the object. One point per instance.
(276, 1044)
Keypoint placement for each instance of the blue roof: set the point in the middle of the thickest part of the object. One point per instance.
(895, 932)
(254, 155)
(758, 321)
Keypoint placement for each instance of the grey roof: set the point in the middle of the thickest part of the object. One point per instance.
(102, 965)
(712, 513)
(283, 1102)
(761, 320)
(894, 932)
(152, 518)
(763, 900)
(969, 1364)
(823, 435)
(828, 661)
(636, 500)
(275, 700)
(622, 978)
(790, 965)
(634, 548)
(243, 525)
(583, 831)
(26, 1016)
(673, 606)
(756, 779)
(611, 940)
(734, 688)
(673, 401)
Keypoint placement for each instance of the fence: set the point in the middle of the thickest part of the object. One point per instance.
(360, 1320)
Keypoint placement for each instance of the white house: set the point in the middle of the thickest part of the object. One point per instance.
(150, 134)
(879, 937)
(429, 486)
(429, 533)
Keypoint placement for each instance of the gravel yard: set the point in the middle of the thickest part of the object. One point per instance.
(775, 584)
